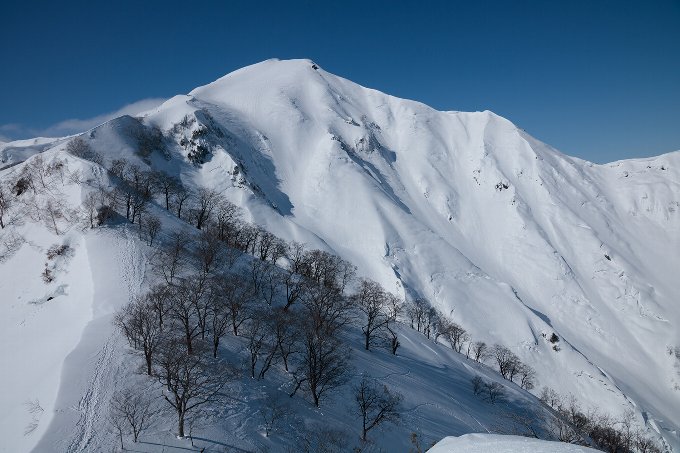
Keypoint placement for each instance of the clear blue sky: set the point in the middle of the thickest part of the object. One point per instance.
(596, 79)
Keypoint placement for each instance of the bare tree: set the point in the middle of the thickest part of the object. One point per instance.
(394, 309)
(292, 279)
(493, 392)
(324, 360)
(135, 409)
(479, 351)
(328, 270)
(209, 253)
(417, 312)
(376, 405)
(527, 375)
(170, 261)
(152, 225)
(273, 411)
(180, 196)
(80, 148)
(189, 380)
(227, 221)
(477, 384)
(139, 323)
(238, 294)
(286, 330)
(182, 311)
(90, 204)
(372, 301)
(166, 185)
(5, 205)
(206, 201)
(457, 337)
(506, 360)
(270, 247)
(260, 344)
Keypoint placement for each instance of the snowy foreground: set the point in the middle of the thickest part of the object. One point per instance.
(486, 443)
(511, 239)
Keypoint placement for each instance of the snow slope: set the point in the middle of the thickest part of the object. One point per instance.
(511, 238)
(482, 443)
(469, 211)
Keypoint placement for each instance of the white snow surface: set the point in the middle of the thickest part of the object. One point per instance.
(510, 237)
(484, 443)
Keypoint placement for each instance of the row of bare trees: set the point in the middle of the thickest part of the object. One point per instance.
(587, 427)
(434, 324)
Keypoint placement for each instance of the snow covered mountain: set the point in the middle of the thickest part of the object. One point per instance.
(512, 239)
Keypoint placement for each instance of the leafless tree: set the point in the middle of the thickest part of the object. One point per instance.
(328, 270)
(219, 319)
(181, 196)
(206, 201)
(417, 311)
(261, 344)
(273, 411)
(394, 309)
(372, 301)
(286, 328)
(5, 205)
(182, 311)
(80, 148)
(477, 384)
(227, 221)
(527, 375)
(139, 323)
(269, 247)
(166, 185)
(136, 410)
(493, 392)
(170, 261)
(479, 351)
(238, 294)
(457, 336)
(90, 204)
(324, 360)
(209, 252)
(376, 405)
(54, 211)
(118, 167)
(507, 360)
(189, 380)
(292, 279)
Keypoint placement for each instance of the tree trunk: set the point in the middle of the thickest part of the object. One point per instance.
(180, 425)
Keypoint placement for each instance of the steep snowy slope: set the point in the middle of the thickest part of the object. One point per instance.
(62, 359)
(512, 239)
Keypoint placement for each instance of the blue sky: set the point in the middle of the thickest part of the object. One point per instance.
(596, 79)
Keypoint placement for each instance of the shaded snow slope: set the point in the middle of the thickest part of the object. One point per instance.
(483, 443)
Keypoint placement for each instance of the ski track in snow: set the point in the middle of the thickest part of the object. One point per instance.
(90, 405)
(93, 403)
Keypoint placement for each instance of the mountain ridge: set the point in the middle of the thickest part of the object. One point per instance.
(512, 238)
